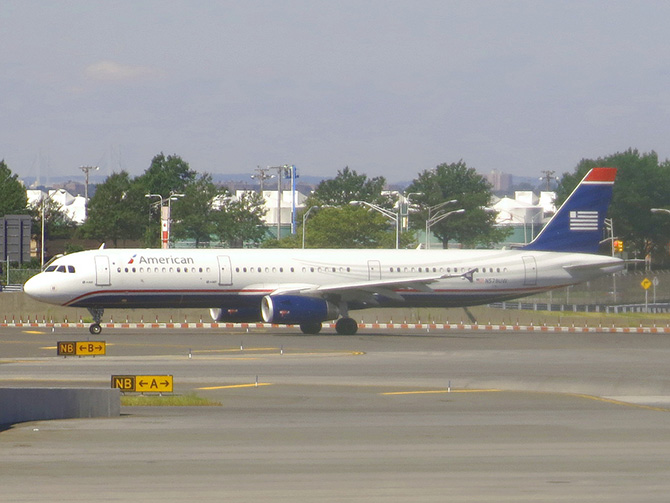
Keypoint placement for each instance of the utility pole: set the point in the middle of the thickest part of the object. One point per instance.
(261, 176)
(86, 170)
(548, 176)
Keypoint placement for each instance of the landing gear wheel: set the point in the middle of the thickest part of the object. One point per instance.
(97, 313)
(311, 327)
(346, 326)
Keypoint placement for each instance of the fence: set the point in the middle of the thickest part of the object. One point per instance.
(15, 276)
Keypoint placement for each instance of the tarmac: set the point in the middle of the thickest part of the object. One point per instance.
(386, 415)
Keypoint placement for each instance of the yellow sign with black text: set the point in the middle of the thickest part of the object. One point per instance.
(81, 348)
(143, 383)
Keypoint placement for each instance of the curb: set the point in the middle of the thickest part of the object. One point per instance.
(373, 326)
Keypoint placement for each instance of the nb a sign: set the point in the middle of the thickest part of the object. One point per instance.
(143, 383)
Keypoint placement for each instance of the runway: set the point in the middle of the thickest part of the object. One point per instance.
(381, 416)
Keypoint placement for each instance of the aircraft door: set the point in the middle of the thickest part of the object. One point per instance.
(374, 270)
(530, 271)
(102, 271)
(225, 270)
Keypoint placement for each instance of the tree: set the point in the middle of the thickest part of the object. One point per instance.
(349, 186)
(166, 175)
(344, 227)
(13, 199)
(471, 191)
(193, 215)
(239, 220)
(642, 183)
(117, 211)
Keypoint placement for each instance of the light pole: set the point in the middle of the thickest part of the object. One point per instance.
(438, 217)
(86, 169)
(404, 207)
(304, 218)
(280, 171)
(43, 201)
(430, 210)
(395, 217)
(164, 225)
(173, 197)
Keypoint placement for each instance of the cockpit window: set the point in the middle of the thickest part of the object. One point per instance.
(51, 268)
(70, 269)
(61, 268)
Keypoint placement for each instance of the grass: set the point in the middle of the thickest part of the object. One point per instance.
(188, 400)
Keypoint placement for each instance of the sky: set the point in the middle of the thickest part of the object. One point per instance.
(389, 88)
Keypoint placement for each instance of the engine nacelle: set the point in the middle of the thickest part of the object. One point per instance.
(296, 309)
(241, 314)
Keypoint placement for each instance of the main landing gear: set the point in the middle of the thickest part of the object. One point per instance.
(97, 313)
(346, 326)
(343, 326)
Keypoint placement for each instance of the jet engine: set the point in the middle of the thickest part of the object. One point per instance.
(296, 309)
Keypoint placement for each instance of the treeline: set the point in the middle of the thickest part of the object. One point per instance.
(347, 211)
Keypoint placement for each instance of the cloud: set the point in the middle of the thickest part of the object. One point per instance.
(111, 71)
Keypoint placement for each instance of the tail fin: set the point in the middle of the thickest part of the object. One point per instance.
(577, 226)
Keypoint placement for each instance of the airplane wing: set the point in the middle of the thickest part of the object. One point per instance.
(356, 289)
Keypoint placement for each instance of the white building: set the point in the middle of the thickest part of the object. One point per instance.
(73, 206)
(526, 213)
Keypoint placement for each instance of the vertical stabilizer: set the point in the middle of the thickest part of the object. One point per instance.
(577, 226)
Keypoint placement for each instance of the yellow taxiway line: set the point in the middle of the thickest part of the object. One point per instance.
(253, 385)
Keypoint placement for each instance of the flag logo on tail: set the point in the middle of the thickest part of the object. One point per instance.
(583, 220)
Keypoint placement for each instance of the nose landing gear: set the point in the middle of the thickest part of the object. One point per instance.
(97, 313)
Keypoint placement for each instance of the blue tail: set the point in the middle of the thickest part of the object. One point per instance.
(577, 226)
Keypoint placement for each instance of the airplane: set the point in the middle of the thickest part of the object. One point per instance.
(307, 287)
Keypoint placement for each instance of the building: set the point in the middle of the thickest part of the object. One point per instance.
(526, 214)
(499, 181)
(73, 206)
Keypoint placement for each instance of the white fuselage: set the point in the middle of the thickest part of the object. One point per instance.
(222, 278)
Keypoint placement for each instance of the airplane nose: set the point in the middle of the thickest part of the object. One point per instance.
(33, 287)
